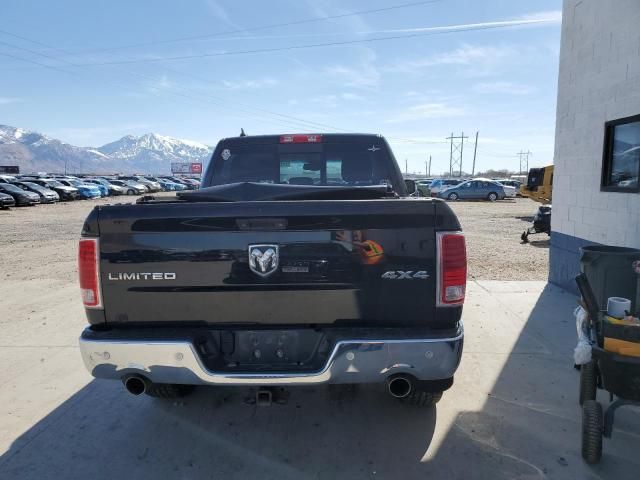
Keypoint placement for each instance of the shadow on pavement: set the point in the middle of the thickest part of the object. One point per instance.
(511, 414)
(530, 424)
(540, 243)
(103, 432)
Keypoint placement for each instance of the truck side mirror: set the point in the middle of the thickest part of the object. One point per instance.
(410, 185)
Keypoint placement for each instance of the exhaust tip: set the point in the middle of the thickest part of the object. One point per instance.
(135, 385)
(399, 386)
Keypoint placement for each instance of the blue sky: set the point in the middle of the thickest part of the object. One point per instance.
(89, 72)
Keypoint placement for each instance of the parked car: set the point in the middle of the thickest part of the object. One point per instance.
(166, 185)
(177, 296)
(7, 178)
(151, 186)
(46, 195)
(475, 190)
(130, 188)
(515, 184)
(104, 190)
(440, 184)
(21, 197)
(6, 201)
(192, 183)
(110, 187)
(423, 187)
(85, 190)
(178, 186)
(65, 192)
(185, 181)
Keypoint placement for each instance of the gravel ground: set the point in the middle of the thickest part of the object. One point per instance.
(40, 242)
(493, 234)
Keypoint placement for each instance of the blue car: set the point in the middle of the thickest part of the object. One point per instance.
(104, 191)
(175, 185)
(477, 189)
(85, 190)
(166, 185)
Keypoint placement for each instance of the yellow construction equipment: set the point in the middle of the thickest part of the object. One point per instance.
(538, 188)
(539, 185)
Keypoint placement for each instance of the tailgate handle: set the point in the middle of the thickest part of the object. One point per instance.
(262, 223)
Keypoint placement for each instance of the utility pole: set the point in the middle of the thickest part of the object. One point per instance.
(524, 160)
(475, 150)
(429, 174)
(455, 155)
(406, 166)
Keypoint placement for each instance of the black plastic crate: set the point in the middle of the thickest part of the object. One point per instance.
(620, 373)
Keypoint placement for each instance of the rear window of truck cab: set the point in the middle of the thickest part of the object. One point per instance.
(352, 163)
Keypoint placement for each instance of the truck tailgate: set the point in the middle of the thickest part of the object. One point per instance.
(344, 263)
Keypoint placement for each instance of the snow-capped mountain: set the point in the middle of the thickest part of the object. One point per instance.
(153, 153)
(150, 153)
(36, 152)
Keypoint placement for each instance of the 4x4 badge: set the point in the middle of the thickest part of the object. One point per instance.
(263, 259)
(405, 275)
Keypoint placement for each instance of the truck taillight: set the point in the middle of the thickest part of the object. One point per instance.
(88, 272)
(301, 138)
(452, 275)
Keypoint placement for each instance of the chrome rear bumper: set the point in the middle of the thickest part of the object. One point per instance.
(351, 361)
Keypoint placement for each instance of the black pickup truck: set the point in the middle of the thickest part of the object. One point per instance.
(302, 259)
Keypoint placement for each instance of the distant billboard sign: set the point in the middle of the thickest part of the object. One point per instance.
(189, 168)
(180, 167)
(15, 169)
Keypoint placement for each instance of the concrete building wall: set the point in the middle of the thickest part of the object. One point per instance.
(599, 80)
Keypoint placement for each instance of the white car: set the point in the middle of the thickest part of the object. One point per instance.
(440, 184)
(509, 191)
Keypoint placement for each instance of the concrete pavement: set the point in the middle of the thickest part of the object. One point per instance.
(512, 412)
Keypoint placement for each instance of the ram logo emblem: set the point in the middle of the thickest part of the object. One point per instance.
(263, 259)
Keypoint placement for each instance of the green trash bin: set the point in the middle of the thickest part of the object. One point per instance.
(611, 273)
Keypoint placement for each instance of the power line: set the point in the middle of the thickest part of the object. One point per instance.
(306, 124)
(263, 27)
(439, 31)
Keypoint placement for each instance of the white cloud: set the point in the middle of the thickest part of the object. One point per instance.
(249, 84)
(327, 101)
(480, 57)
(552, 16)
(351, 96)
(502, 87)
(161, 84)
(8, 100)
(362, 74)
(426, 111)
(219, 12)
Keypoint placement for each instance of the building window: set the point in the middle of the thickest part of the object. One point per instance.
(621, 159)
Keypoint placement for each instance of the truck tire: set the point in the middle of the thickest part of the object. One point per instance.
(169, 390)
(452, 196)
(588, 382)
(492, 197)
(421, 398)
(591, 432)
